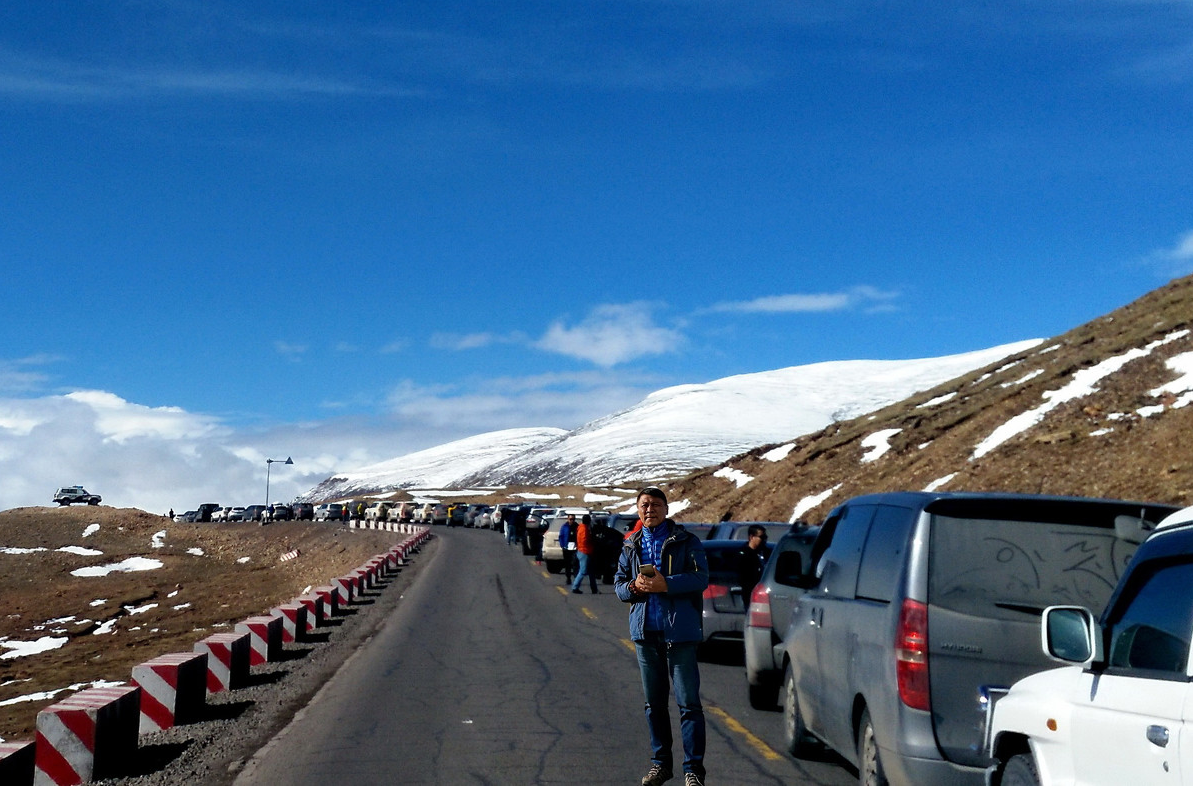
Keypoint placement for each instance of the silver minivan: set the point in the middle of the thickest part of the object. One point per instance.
(922, 605)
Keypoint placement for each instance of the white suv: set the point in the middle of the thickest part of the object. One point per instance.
(72, 494)
(1118, 714)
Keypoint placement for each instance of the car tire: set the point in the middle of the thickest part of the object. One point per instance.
(1020, 770)
(869, 763)
(554, 566)
(764, 697)
(796, 739)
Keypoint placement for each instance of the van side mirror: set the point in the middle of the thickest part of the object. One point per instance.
(1070, 634)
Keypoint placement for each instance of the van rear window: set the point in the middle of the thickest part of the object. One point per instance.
(1005, 569)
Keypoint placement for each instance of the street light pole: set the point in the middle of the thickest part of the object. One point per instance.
(268, 466)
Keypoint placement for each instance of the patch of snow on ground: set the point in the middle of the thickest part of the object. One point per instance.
(159, 539)
(1023, 379)
(938, 400)
(181, 606)
(198, 552)
(1046, 350)
(130, 565)
(49, 694)
(23, 649)
(807, 503)
(243, 560)
(877, 444)
(18, 550)
(1101, 432)
(98, 602)
(779, 453)
(1083, 383)
(104, 629)
(91, 530)
(140, 609)
(940, 482)
(82, 552)
(528, 495)
(733, 475)
(1182, 386)
(590, 497)
(1148, 411)
(678, 507)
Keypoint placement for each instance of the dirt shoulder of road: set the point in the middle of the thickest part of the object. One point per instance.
(210, 577)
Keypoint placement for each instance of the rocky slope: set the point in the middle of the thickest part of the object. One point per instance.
(1103, 410)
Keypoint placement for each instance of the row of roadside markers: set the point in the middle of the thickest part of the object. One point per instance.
(94, 734)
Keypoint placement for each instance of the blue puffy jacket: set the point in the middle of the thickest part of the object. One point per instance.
(685, 568)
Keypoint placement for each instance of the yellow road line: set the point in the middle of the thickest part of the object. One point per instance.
(753, 741)
(562, 591)
(630, 646)
(588, 612)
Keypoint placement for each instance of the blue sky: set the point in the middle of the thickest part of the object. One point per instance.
(351, 230)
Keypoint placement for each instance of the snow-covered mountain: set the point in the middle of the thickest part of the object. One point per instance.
(672, 431)
(438, 467)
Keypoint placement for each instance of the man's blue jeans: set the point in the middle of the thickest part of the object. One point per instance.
(582, 571)
(663, 665)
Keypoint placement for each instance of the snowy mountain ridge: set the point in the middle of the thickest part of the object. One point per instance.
(672, 431)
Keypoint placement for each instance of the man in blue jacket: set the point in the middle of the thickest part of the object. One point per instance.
(663, 573)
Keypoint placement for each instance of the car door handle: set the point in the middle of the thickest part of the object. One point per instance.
(1158, 736)
(818, 616)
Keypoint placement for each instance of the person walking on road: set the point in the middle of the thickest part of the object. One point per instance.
(585, 546)
(662, 573)
(567, 534)
(752, 560)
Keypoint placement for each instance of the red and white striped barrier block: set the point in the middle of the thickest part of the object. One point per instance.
(316, 610)
(16, 762)
(173, 690)
(265, 638)
(227, 660)
(331, 599)
(289, 555)
(88, 736)
(362, 579)
(347, 589)
(294, 620)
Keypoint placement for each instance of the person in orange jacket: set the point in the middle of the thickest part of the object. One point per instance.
(585, 545)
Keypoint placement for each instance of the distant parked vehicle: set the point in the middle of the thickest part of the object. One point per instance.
(769, 609)
(234, 514)
(69, 495)
(187, 517)
(377, 511)
(221, 514)
(329, 511)
(304, 511)
(439, 514)
(254, 512)
(205, 510)
(277, 513)
(553, 555)
(457, 515)
(724, 607)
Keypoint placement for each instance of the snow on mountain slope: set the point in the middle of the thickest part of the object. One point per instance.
(678, 429)
(672, 431)
(437, 467)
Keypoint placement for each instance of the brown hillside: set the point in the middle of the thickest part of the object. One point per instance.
(1096, 444)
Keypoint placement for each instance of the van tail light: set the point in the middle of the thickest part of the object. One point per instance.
(758, 615)
(911, 655)
(715, 591)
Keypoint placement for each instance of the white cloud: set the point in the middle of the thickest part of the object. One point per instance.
(857, 297)
(293, 352)
(21, 375)
(1176, 260)
(457, 342)
(612, 334)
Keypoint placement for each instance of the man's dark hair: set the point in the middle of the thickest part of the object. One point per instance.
(653, 491)
(756, 529)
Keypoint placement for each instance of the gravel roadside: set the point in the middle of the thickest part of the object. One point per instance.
(242, 721)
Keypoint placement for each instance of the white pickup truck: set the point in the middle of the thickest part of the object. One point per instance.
(1120, 712)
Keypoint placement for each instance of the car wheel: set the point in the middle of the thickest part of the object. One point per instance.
(1020, 770)
(764, 697)
(795, 734)
(869, 765)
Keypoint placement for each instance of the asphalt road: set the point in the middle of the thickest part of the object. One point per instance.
(490, 672)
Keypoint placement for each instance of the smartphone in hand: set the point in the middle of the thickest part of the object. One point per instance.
(647, 570)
